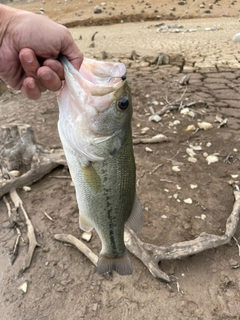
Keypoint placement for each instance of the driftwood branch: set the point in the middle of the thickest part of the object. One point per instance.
(19, 151)
(30, 230)
(79, 245)
(151, 255)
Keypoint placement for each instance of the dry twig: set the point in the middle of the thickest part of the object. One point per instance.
(156, 139)
(30, 230)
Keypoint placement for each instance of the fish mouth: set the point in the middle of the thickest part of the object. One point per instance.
(95, 78)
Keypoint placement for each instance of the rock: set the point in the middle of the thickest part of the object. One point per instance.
(212, 159)
(236, 38)
(191, 127)
(188, 201)
(181, 3)
(155, 118)
(97, 9)
(148, 149)
(192, 159)
(205, 125)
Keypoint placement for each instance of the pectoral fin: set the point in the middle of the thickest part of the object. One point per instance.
(136, 219)
(92, 178)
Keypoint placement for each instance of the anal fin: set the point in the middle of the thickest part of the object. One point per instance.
(84, 225)
(136, 219)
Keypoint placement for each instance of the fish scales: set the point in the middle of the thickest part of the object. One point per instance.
(101, 161)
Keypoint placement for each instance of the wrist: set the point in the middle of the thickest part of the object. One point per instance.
(5, 18)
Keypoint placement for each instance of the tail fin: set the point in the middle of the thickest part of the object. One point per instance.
(122, 265)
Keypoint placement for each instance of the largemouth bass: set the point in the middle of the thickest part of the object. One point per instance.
(95, 129)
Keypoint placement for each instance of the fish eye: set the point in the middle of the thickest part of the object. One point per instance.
(123, 103)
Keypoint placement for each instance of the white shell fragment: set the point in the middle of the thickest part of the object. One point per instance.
(148, 149)
(176, 169)
(190, 152)
(231, 182)
(185, 111)
(193, 186)
(176, 122)
(211, 159)
(144, 130)
(234, 176)
(191, 127)
(205, 125)
(208, 144)
(196, 148)
(14, 173)
(23, 287)
(26, 189)
(155, 118)
(191, 114)
(218, 119)
(87, 236)
(188, 201)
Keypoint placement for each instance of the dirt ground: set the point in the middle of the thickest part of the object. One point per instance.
(62, 283)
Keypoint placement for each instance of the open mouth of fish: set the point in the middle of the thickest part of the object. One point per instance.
(97, 78)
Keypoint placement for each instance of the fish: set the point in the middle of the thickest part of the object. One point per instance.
(95, 113)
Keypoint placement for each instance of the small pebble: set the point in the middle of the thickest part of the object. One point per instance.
(148, 149)
(192, 159)
(26, 189)
(176, 168)
(191, 127)
(193, 186)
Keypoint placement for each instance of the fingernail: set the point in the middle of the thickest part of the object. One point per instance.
(28, 57)
(31, 85)
(46, 76)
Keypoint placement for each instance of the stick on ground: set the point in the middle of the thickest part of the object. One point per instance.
(30, 230)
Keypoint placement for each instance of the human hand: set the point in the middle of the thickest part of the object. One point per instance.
(29, 47)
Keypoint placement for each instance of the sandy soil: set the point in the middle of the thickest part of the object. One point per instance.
(62, 283)
(78, 13)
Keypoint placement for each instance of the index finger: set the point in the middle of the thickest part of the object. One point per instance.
(71, 50)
